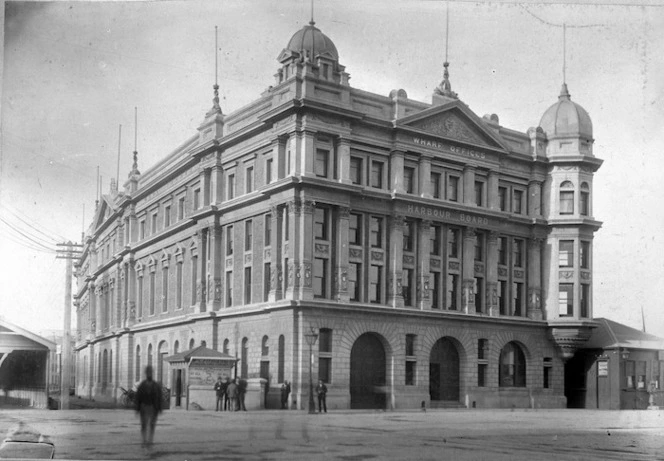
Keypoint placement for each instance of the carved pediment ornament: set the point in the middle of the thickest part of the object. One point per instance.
(450, 126)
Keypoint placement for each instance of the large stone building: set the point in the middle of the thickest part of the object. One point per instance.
(438, 256)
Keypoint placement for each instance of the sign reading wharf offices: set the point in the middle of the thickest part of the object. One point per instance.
(449, 147)
(426, 212)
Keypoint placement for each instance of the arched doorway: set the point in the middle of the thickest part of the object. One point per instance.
(367, 373)
(444, 371)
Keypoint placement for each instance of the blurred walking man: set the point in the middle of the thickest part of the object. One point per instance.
(148, 404)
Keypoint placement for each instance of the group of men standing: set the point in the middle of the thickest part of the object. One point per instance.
(230, 394)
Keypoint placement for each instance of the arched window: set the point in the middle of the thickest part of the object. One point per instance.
(110, 366)
(191, 343)
(176, 347)
(245, 355)
(162, 352)
(204, 343)
(138, 364)
(104, 372)
(566, 198)
(265, 349)
(226, 342)
(149, 355)
(512, 366)
(281, 359)
(584, 199)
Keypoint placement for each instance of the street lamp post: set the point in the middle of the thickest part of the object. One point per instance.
(311, 340)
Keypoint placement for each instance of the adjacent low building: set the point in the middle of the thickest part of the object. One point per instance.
(432, 254)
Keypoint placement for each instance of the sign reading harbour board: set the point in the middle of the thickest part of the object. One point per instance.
(443, 214)
(205, 372)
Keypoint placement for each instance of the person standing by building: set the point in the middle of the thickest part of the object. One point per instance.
(220, 389)
(241, 392)
(148, 405)
(285, 392)
(231, 391)
(321, 390)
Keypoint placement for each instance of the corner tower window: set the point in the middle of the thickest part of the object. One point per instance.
(567, 198)
(584, 199)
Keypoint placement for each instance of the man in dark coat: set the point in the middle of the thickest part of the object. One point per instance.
(220, 389)
(148, 405)
(321, 390)
(231, 391)
(285, 392)
(241, 392)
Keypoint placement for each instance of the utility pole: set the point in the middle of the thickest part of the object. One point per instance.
(70, 252)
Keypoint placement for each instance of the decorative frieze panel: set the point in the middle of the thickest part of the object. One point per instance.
(566, 275)
(229, 263)
(435, 263)
(408, 260)
(355, 253)
(518, 273)
(248, 258)
(454, 265)
(267, 254)
(377, 256)
(322, 249)
(585, 275)
(479, 268)
(502, 272)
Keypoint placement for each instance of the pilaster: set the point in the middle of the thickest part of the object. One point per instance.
(396, 172)
(534, 307)
(469, 185)
(343, 159)
(341, 256)
(425, 176)
(535, 199)
(276, 254)
(395, 261)
(468, 271)
(305, 233)
(202, 269)
(492, 275)
(423, 261)
(216, 268)
(492, 190)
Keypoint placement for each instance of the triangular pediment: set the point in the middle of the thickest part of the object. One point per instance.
(454, 121)
(105, 210)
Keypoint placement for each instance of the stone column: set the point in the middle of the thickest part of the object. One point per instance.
(279, 166)
(395, 262)
(492, 191)
(202, 269)
(343, 159)
(468, 271)
(492, 275)
(396, 174)
(93, 310)
(423, 261)
(306, 153)
(216, 268)
(276, 254)
(340, 249)
(469, 185)
(534, 307)
(425, 176)
(130, 280)
(534, 199)
(304, 230)
(291, 250)
(205, 187)
(216, 183)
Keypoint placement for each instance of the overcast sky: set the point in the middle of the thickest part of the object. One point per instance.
(74, 71)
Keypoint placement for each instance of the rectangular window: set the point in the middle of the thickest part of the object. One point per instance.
(153, 226)
(548, 366)
(640, 374)
(376, 232)
(518, 253)
(194, 278)
(584, 207)
(410, 372)
(453, 243)
(354, 270)
(268, 170)
(152, 293)
(453, 188)
(502, 297)
(139, 297)
(479, 193)
(325, 340)
(248, 235)
(247, 285)
(267, 281)
(566, 253)
(585, 300)
(180, 208)
(178, 286)
(479, 294)
(167, 216)
(142, 229)
(481, 374)
(267, 230)
(164, 290)
(517, 289)
(285, 278)
(408, 177)
(435, 184)
(355, 229)
(325, 355)
(517, 201)
(356, 170)
(502, 198)
(229, 288)
(408, 236)
(249, 179)
(320, 277)
(377, 174)
(325, 369)
(452, 292)
(566, 202)
(584, 255)
(479, 247)
(230, 187)
(375, 282)
(435, 240)
(286, 224)
(411, 360)
(407, 287)
(229, 240)
(565, 299)
(320, 223)
(435, 291)
(321, 163)
(502, 250)
(630, 374)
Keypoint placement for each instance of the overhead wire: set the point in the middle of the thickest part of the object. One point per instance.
(24, 220)
(27, 236)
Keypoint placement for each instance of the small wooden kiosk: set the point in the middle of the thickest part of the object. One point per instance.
(194, 373)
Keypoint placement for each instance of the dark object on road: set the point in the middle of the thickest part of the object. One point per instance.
(24, 442)
(285, 392)
(148, 404)
(128, 397)
(424, 406)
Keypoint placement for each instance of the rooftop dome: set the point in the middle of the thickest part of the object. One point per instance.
(310, 41)
(566, 118)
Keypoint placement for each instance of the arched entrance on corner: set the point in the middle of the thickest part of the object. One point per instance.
(368, 382)
(444, 371)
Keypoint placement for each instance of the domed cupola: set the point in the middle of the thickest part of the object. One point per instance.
(566, 119)
(310, 42)
(310, 52)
